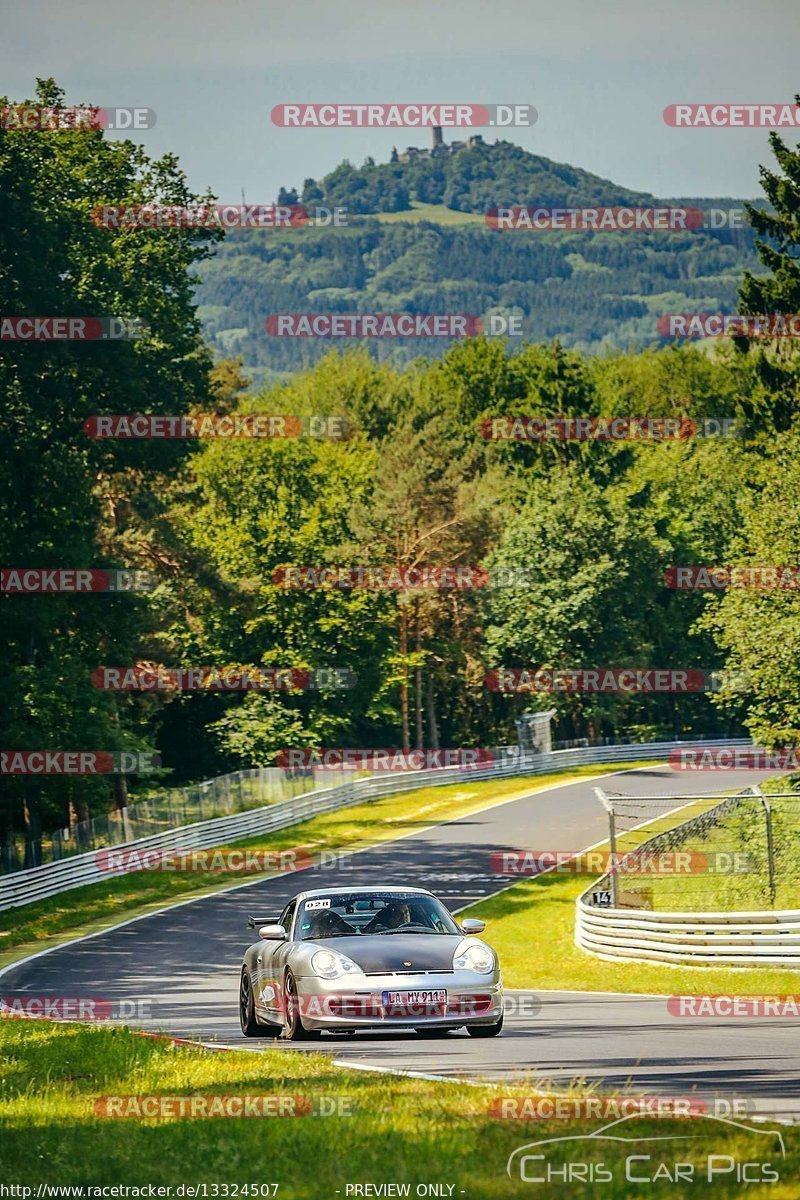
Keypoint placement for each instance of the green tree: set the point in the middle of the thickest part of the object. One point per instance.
(778, 230)
(759, 628)
(66, 499)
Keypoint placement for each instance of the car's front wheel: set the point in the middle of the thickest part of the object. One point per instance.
(251, 1027)
(480, 1031)
(294, 1030)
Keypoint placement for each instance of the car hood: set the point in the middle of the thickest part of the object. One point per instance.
(381, 953)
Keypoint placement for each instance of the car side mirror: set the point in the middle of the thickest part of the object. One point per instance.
(473, 925)
(272, 933)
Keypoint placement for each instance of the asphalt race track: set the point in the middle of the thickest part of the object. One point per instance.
(184, 965)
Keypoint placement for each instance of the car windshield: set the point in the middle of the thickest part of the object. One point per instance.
(349, 914)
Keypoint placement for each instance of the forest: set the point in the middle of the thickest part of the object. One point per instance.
(388, 465)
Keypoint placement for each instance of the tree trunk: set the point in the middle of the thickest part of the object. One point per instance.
(418, 681)
(404, 680)
(433, 732)
(82, 839)
(33, 825)
(120, 784)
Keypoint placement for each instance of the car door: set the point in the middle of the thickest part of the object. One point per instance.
(271, 959)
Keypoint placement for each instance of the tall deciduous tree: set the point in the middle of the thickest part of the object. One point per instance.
(68, 500)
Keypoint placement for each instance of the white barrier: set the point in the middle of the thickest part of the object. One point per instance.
(737, 939)
(37, 883)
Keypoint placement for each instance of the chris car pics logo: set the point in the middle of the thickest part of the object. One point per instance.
(696, 1155)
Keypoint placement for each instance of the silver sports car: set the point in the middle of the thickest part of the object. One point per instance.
(359, 958)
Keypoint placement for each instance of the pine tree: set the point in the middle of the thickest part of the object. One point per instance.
(778, 246)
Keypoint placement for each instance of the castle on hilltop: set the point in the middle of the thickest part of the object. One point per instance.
(437, 150)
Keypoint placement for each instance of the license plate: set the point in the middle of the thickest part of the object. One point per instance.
(421, 999)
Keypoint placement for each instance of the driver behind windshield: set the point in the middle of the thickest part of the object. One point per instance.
(391, 917)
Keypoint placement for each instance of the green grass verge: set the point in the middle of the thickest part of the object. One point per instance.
(399, 1130)
(99, 905)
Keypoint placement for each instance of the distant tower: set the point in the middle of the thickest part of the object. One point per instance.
(438, 140)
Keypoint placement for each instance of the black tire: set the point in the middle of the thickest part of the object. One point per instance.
(251, 1026)
(481, 1031)
(294, 1030)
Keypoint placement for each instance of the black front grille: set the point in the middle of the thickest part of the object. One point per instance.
(410, 971)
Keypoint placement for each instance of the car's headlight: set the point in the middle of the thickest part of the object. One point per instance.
(330, 965)
(475, 958)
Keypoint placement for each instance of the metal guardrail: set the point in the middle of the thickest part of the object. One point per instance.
(50, 879)
(169, 808)
(741, 939)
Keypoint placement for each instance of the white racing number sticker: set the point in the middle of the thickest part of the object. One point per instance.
(312, 904)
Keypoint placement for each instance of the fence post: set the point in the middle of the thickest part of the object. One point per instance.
(770, 847)
(608, 805)
(612, 842)
(770, 855)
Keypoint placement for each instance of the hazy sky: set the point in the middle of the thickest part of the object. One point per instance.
(599, 74)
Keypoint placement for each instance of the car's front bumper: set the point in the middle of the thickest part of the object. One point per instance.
(358, 1003)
